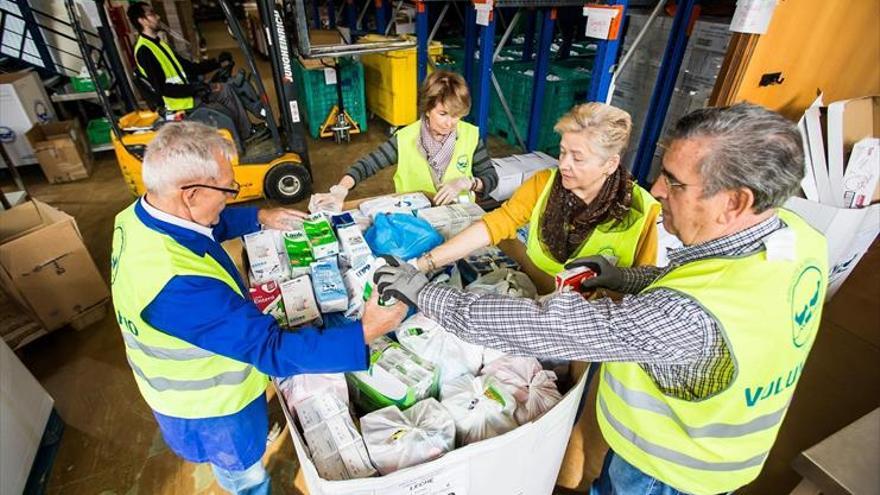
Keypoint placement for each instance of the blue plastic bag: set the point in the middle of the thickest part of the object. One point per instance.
(401, 235)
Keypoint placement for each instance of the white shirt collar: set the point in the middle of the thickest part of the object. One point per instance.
(173, 220)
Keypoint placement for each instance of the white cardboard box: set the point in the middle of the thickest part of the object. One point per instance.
(23, 103)
(524, 461)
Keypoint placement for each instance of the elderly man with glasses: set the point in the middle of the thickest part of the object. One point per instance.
(200, 350)
(700, 358)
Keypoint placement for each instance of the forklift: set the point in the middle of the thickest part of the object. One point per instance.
(277, 167)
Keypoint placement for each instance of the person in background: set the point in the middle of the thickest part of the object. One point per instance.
(438, 154)
(701, 358)
(175, 78)
(200, 350)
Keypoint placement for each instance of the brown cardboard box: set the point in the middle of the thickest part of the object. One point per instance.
(45, 267)
(62, 150)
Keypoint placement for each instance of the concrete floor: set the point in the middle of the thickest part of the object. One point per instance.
(112, 446)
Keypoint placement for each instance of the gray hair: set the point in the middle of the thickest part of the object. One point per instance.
(751, 147)
(183, 153)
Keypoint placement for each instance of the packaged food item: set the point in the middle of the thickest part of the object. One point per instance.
(357, 280)
(401, 203)
(353, 246)
(451, 219)
(336, 447)
(329, 287)
(343, 219)
(480, 407)
(533, 387)
(571, 279)
(362, 221)
(398, 439)
(483, 261)
(321, 238)
(296, 244)
(266, 262)
(267, 297)
(412, 201)
(431, 342)
(299, 301)
(299, 388)
(396, 377)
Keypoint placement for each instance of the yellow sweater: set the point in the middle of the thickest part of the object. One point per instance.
(516, 212)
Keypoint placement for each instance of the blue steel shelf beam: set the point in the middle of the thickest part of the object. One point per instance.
(542, 64)
(669, 68)
(487, 40)
(605, 60)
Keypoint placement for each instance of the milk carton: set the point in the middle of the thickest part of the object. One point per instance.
(296, 244)
(299, 301)
(267, 297)
(265, 261)
(356, 280)
(354, 248)
(329, 287)
(337, 447)
(321, 238)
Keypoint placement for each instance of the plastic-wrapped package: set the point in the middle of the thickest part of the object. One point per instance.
(299, 388)
(533, 387)
(401, 203)
(398, 439)
(299, 301)
(266, 260)
(505, 282)
(267, 297)
(396, 377)
(428, 340)
(336, 446)
(329, 287)
(451, 219)
(480, 406)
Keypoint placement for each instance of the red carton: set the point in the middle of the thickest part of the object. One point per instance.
(267, 297)
(572, 279)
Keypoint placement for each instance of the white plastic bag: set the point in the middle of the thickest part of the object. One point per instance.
(299, 388)
(480, 407)
(428, 340)
(336, 446)
(533, 387)
(398, 439)
(505, 282)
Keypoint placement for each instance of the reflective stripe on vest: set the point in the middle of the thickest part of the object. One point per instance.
(174, 73)
(413, 171)
(175, 378)
(767, 309)
(612, 238)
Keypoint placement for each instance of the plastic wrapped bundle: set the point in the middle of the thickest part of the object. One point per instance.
(337, 448)
(399, 439)
(505, 282)
(533, 387)
(480, 407)
(428, 340)
(396, 377)
(299, 388)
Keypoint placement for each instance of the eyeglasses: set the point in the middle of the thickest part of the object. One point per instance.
(671, 182)
(231, 191)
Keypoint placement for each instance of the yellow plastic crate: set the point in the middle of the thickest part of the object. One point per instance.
(390, 82)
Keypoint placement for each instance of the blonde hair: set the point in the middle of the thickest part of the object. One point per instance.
(448, 88)
(608, 127)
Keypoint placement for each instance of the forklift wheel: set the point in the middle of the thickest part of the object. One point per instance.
(287, 183)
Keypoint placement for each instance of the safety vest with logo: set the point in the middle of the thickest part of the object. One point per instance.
(414, 172)
(174, 73)
(618, 239)
(175, 378)
(767, 306)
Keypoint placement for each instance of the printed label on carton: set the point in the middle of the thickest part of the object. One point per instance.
(329, 286)
(267, 297)
(299, 301)
(265, 261)
(296, 244)
(321, 238)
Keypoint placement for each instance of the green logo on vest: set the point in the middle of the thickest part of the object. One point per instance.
(118, 248)
(805, 303)
(462, 163)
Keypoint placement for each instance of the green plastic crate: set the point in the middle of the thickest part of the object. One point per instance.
(86, 85)
(98, 131)
(317, 97)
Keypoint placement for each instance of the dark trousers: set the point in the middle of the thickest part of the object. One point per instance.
(228, 100)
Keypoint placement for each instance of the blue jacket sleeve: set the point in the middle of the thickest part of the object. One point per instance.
(208, 314)
(236, 222)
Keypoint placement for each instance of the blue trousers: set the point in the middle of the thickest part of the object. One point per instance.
(619, 477)
(252, 481)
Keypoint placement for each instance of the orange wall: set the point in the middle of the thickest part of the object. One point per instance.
(829, 45)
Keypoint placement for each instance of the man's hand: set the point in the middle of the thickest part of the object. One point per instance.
(379, 320)
(607, 275)
(216, 87)
(281, 218)
(401, 281)
(449, 191)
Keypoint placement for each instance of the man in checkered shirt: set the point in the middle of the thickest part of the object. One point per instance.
(702, 356)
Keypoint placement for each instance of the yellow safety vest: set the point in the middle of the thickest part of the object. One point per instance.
(619, 239)
(414, 172)
(768, 311)
(175, 378)
(174, 73)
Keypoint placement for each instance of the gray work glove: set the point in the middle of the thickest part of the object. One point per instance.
(399, 280)
(607, 275)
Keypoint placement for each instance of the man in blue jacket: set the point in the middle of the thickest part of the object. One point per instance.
(200, 350)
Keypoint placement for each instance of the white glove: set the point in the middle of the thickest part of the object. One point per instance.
(331, 201)
(450, 191)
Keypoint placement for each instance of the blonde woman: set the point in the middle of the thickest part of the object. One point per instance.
(438, 154)
(590, 205)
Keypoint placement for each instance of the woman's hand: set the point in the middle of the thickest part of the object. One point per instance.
(331, 201)
(450, 190)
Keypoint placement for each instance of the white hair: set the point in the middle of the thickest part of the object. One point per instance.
(183, 153)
